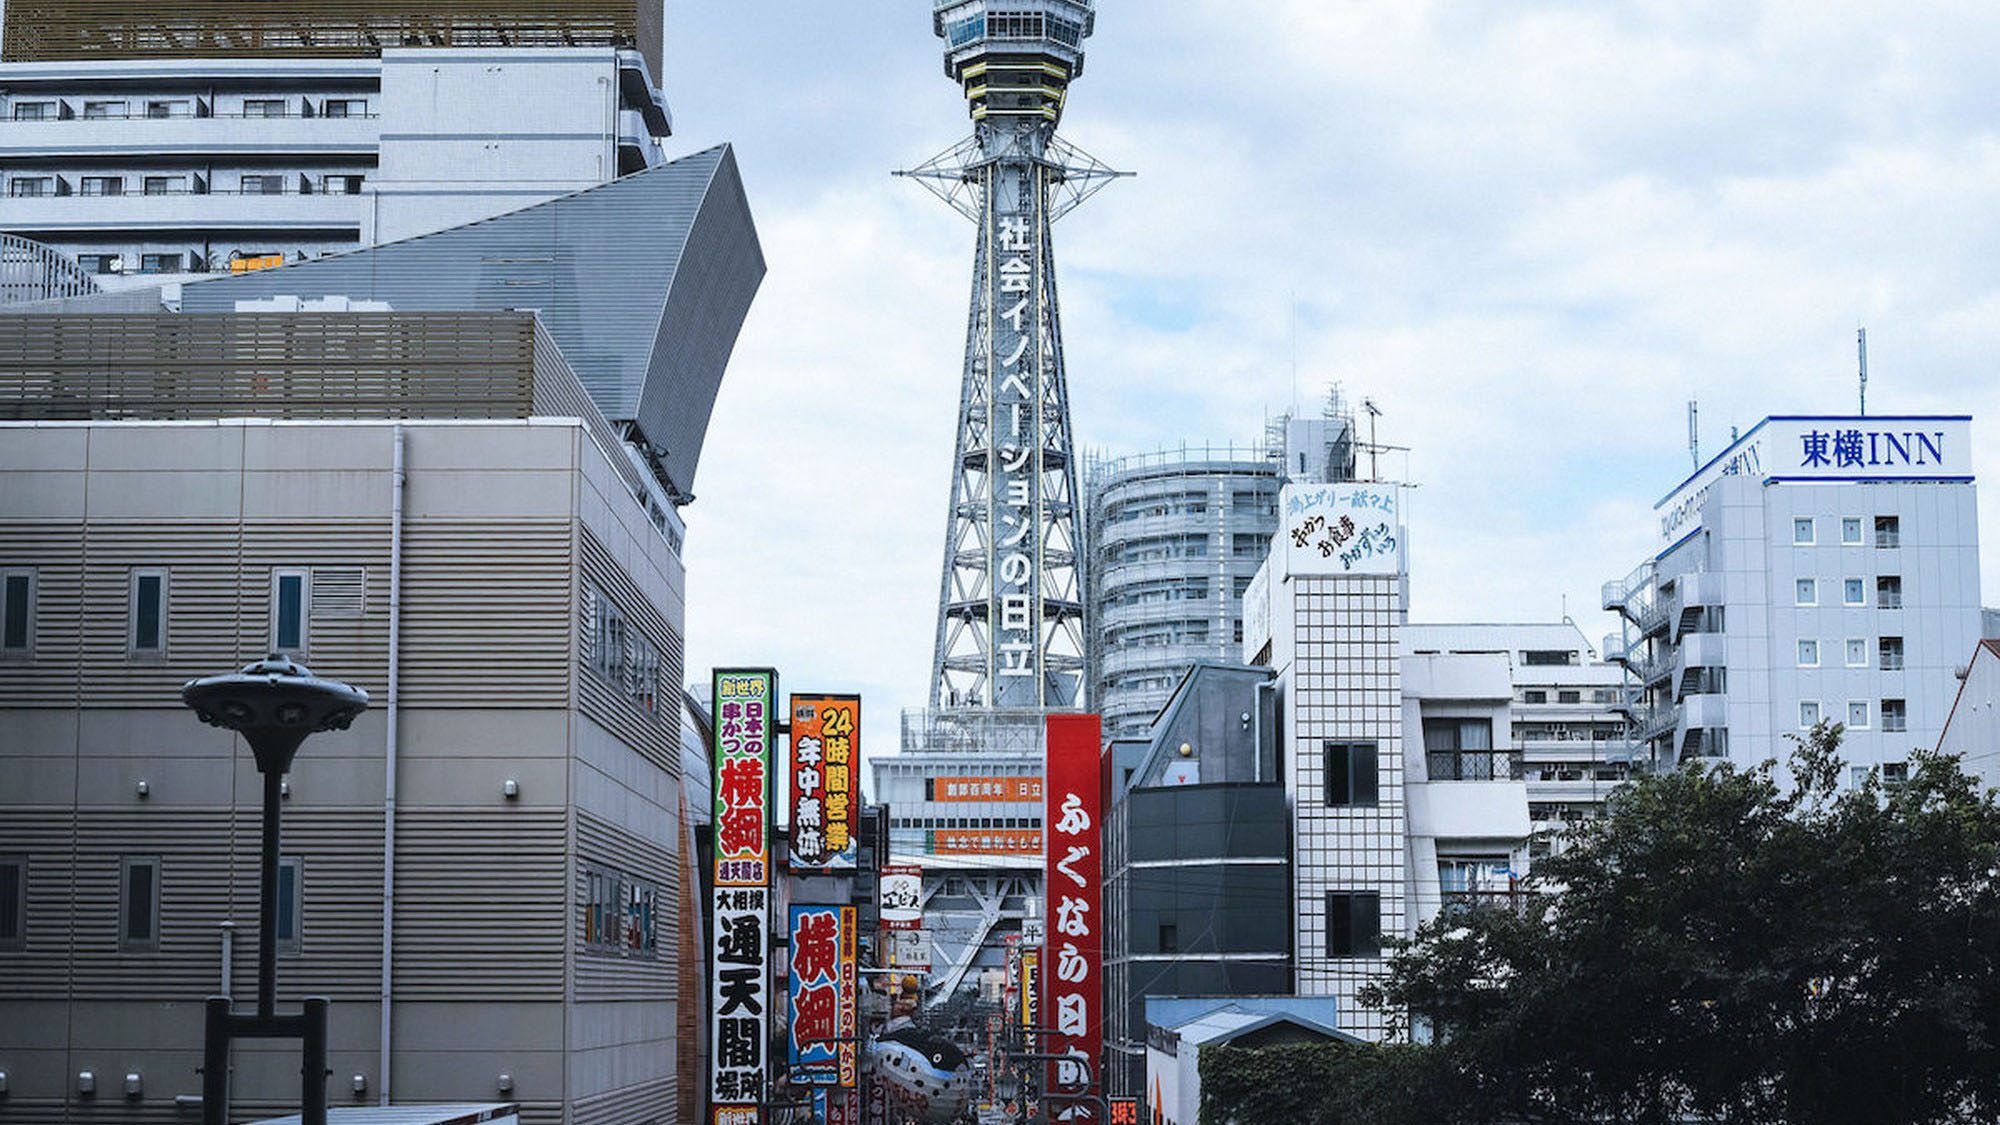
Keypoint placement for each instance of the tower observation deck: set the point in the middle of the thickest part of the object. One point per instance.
(1010, 604)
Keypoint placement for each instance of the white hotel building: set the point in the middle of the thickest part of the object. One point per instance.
(1819, 569)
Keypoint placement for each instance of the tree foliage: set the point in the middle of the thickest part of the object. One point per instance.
(1725, 948)
(1720, 947)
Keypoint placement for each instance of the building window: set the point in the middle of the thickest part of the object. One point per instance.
(1569, 697)
(139, 903)
(34, 111)
(263, 185)
(291, 902)
(1808, 654)
(17, 613)
(158, 109)
(1891, 654)
(264, 107)
(13, 901)
(1895, 715)
(1857, 653)
(1353, 924)
(100, 263)
(1895, 774)
(288, 611)
(1853, 592)
(31, 185)
(1807, 592)
(345, 107)
(1534, 696)
(1857, 714)
(147, 623)
(1170, 938)
(166, 185)
(162, 263)
(101, 185)
(346, 184)
(1462, 750)
(1888, 531)
(620, 913)
(103, 111)
(1850, 531)
(1889, 592)
(1802, 532)
(1352, 777)
(1808, 715)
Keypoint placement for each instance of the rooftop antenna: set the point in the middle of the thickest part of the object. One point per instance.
(1861, 346)
(1374, 450)
(1694, 433)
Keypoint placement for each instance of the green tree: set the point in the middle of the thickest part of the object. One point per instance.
(1725, 948)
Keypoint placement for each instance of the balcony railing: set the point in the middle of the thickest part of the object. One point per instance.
(1473, 765)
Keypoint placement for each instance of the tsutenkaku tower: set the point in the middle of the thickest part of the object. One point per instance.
(1010, 605)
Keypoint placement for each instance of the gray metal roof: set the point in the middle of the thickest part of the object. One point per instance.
(643, 282)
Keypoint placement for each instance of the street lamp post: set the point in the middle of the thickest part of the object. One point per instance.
(274, 704)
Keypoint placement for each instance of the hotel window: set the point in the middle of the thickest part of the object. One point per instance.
(264, 107)
(263, 185)
(1888, 531)
(1353, 924)
(101, 185)
(1895, 715)
(291, 901)
(288, 611)
(1850, 531)
(1857, 653)
(1857, 715)
(167, 109)
(100, 111)
(139, 903)
(1802, 532)
(1891, 654)
(1889, 592)
(1808, 654)
(17, 613)
(1352, 775)
(34, 111)
(1808, 715)
(1853, 592)
(147, 633)
(1806, 592)
(166, 185)
(31, 185)
(13, 901)
(162, 263)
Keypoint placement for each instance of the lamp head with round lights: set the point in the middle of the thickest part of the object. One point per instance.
(274, 704)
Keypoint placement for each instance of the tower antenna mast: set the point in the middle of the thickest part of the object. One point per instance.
(1694, 433)
(1861, 346)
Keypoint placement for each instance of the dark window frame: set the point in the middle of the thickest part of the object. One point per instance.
(17, 621)
(1353, 775)
(135, 620)
(1354, 924)
(13, 902)
(148, 942)
(291, 903)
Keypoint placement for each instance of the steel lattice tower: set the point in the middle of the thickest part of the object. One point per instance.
(1010, 604)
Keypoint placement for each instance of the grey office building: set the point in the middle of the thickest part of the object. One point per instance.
(448, 470)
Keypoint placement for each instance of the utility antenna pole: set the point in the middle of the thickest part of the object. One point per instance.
(1694, 433)
(1374, 450)
(1861, 346)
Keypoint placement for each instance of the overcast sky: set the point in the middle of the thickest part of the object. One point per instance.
(1530, 231)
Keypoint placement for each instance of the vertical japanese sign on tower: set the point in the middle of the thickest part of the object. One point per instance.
(745, 703)
(1072, 970)
(1014, 323)
(826, 781)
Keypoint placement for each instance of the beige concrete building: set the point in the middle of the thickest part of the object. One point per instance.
(485, 874)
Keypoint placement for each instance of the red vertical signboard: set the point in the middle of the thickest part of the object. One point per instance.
(1072, 969)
